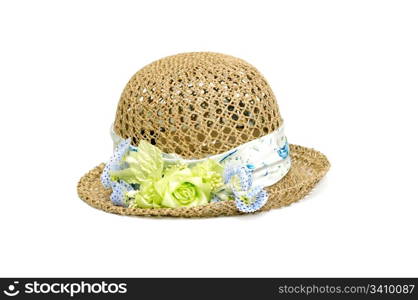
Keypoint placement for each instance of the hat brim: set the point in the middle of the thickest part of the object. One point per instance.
(308, 168)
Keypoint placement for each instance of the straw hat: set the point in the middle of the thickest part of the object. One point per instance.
(198, 105)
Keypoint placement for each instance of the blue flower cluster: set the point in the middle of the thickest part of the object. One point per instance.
(247, 198)
(258, 198)
(243, 174)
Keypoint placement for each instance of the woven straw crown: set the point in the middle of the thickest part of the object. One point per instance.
(197, 104)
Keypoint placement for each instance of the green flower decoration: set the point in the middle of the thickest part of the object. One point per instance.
(175, 185)
(183, 189)
(145, 197)
(211, 173)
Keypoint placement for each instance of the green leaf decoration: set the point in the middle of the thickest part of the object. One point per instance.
(145, 165)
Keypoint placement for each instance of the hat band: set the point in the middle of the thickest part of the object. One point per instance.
(267, 157)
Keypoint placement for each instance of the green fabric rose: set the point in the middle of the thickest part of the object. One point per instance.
(183, 189)
(145, 197)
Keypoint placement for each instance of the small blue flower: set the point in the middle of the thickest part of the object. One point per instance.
(247, 198)
(243, 175)
(119, 191)
(255, 199)
(284, 151)
(114, 163)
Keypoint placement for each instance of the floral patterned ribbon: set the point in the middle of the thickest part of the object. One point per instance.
(267, 157)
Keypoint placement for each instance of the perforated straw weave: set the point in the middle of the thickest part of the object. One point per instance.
(196, 105)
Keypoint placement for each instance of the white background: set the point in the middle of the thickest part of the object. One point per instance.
(345, 74)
